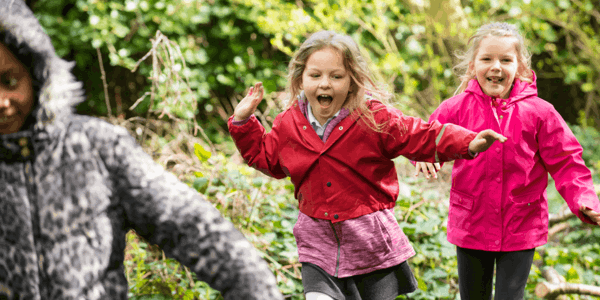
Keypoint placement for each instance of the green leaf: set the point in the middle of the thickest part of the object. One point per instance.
(587, 87)
(201, 153)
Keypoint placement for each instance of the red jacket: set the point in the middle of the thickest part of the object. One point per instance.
(352, 173)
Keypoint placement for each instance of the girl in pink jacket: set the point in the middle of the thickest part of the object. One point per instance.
(337, 146)
(498, 206)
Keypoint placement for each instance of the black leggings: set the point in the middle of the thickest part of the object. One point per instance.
(476, 271)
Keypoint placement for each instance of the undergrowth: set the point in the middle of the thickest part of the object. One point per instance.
(264, 210)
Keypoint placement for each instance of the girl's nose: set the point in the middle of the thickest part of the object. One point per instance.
(496, 64)
(4, 101)
(325, 83)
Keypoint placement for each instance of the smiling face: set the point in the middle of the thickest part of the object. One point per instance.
(16, 92)
(495, 65)
(325, 82)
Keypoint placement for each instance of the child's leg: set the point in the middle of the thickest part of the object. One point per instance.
(475, 273)
(512, 271)
(317, 296)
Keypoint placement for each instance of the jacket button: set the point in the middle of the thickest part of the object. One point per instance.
(498, 150)
(23, 142)
(329, 184)
(497, 242)
(504, 103)
(326, 214)
(336, 216)
(25, 152)
(501, 116)
(341, 127)
(528, 204)
(498, 179)
(304, 127)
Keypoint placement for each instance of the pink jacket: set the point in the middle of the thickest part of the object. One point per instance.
(498, 200)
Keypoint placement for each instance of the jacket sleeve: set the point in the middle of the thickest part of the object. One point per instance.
(442, 115)
(421, 141)
(561, 155)
(182, 222)
(258, 148)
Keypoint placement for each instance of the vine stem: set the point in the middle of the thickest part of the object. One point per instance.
(103, 76)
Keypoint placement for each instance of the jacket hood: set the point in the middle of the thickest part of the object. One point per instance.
(56, 89)
(520, 91)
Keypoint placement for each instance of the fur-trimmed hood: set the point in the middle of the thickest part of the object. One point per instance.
(56, 89)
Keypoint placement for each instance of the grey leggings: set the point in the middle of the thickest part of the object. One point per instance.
(476, 271)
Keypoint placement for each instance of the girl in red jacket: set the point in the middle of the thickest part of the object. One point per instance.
(337, 144)
(498, 208)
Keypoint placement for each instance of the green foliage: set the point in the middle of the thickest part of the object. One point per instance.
(151, 276)
(227, 45)
(222, 51)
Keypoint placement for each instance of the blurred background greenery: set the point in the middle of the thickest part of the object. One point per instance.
(175, 69)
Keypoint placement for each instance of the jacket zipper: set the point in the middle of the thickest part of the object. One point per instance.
(339, 249)
(35, 222)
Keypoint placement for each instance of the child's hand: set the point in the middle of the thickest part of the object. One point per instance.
(427, 168)
(249, 104)
(484, 140)
(595, 216)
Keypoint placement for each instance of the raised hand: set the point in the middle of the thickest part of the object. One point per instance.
(595, 216)
(248, 105)
(484, 140)
(427, 168)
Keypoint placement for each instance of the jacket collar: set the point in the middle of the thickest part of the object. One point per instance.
(520, 91)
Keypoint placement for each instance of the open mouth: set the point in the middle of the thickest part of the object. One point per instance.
(495, 79)
(8, 119)
(325, 100)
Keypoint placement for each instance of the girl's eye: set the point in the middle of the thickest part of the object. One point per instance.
(9, 81)
(314, 75)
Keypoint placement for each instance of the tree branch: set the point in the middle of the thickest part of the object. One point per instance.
(563, 215)
(556, 286)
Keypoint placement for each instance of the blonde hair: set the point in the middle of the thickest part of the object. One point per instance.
(499, 30)
(361, 78)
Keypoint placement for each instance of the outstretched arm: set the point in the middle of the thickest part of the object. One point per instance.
(561, 154)
(248, 105)
(182, 222)
(480, 143)
(258, 148)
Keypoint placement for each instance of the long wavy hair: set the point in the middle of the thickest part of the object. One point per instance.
(361, 78)
(465, 73)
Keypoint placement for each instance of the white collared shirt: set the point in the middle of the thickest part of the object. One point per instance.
(320, 129)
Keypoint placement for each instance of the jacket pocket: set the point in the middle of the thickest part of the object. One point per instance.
(525, 213)
(460, 210)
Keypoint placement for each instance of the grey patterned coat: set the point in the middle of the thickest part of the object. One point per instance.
(71, 187)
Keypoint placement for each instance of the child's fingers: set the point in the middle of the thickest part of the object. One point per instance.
(595, 216)
(421, 167)
(431, 169)
(437, 166)
(492, 136)
(418, 167)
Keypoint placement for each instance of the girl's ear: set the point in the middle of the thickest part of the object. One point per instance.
(471, 70)
(521, 71)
